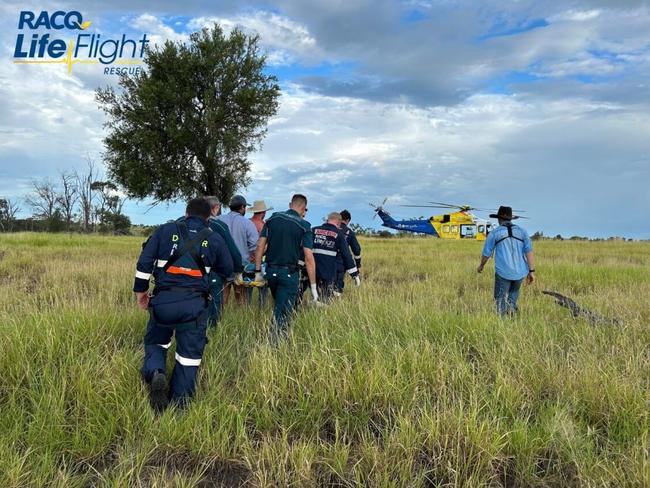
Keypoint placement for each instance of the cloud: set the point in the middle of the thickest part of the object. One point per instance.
(288, 41)
(446, 57)
(156, 30)
(488, 150)
(410, 111)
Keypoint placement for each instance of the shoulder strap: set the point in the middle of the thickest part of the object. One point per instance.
(189, 246)
(509, 236)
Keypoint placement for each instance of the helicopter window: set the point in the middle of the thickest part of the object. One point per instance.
(467, 230)
(445, 229)
(454, 229)
(446, 218)
(481, 229)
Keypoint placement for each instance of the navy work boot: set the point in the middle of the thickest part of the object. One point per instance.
(158, 394)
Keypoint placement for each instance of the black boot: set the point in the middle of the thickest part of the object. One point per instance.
(158, 395)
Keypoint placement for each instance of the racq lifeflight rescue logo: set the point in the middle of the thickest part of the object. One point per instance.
(36, 43)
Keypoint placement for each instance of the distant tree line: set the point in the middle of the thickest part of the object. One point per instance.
(539, 236)
(77, 201)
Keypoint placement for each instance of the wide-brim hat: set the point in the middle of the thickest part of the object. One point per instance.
(504, 213)
(259, 206)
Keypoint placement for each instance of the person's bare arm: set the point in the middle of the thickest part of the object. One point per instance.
(482, 263)
(530, 259)
(259, 252)
(310, 264)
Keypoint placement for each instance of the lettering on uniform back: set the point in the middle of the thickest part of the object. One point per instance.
(189, 247)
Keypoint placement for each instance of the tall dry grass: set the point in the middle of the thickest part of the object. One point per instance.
(410, 380)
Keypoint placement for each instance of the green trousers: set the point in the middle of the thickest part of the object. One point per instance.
(216, 287)
(283, 284)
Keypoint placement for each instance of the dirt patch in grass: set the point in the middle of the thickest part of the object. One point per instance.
(505, 470)
(212, 472)
(555, 471)
(327, 477)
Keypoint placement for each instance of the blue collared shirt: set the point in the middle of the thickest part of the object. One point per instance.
(509, 253)
(243, 232)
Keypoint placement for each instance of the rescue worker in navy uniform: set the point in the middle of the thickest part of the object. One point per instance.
(329, 246)
(179, 255)
(352, 241)
(282, 238)
(216, 281)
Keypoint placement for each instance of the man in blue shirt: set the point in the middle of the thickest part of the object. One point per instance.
(245, 235)
(513, 258)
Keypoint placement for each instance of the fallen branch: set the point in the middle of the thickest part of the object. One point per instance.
(579, 311)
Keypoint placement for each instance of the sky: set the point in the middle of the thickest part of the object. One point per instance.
(542, 105)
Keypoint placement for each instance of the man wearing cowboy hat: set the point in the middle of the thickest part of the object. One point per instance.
(259, 210)
(513, 258)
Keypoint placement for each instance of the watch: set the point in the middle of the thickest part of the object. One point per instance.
(531, 270)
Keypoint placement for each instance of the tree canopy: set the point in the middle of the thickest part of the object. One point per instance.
(186, 125)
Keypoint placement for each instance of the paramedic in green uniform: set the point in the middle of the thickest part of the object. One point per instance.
(216, 281)
(282, 239)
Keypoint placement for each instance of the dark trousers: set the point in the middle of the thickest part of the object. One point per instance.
(283, 284)
(263, 292)
(340, 278)
(303, 285)
(190, 343)
(506, 293)
(216, 292)
(325, 289)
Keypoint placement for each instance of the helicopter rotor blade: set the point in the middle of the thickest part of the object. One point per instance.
(427, 206)
(448, 205)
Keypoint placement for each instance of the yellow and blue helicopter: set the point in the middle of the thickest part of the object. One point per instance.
(458, 223)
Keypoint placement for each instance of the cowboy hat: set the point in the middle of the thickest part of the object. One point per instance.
(259, 206)
(504, 213)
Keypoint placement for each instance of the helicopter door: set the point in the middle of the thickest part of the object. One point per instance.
(468, 231)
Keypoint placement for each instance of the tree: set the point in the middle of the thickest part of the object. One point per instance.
(68, 198)
(185, 125)
(109, 209)
(44, 200)
(84, 182)
(115, 222)
(8, 212)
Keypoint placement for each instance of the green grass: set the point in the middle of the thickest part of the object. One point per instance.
(409, 381)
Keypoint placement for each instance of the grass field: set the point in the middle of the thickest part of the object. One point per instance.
(410, 380)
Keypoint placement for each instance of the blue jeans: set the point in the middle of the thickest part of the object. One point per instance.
(506, 293)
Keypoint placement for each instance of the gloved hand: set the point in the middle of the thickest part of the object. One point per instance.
(239, 279)
(357, 280)
(314, 291)
(259, 276)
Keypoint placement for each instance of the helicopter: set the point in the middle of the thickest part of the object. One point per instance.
(458, 223)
